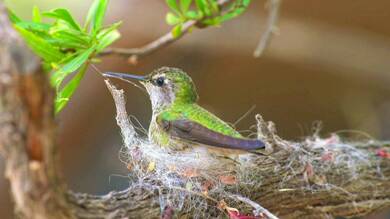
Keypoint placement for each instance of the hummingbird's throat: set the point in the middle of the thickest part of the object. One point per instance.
(160, 97)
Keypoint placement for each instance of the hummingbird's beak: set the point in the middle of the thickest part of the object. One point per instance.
(124, 76)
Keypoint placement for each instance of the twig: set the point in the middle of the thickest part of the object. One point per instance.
(258, 208)
(244, 115)
(165, 40)
(271, 28)
(151, 47)
(134, 53)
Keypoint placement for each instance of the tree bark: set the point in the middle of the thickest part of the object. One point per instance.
(27, 139)
(27, 142)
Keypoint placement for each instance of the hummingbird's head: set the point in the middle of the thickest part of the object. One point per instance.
(166, 86)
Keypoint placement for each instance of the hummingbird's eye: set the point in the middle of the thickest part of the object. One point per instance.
(160, 81)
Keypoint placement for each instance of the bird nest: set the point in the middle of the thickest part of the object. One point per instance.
(203, 187)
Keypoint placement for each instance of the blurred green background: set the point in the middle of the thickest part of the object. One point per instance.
(330, 62)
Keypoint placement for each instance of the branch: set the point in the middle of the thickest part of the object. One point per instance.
(163, 41)
(317, 178)
(271, 28)
(27, 130)
(134, 53)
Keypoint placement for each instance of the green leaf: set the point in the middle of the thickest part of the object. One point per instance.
(40, 46)
(63, 40)
(74, 64)
(185, 5)
(171, 19)
(99, 16)
(172, 4)
(212, 21)
(34, 27)
(36, 18)
(91, 14)
(96, 14)
(193, 15)
(203, 6)
(245, 3)
(235, 10)
(177, 31)
(66, 59)
(66, 93)
(70, 35)
(213, 5)
(63, 14)
(13, 17)
(107, 39)
(61, 32)
(107, 30)
(61, 25)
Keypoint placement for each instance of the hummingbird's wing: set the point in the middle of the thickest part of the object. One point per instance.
(193, 131)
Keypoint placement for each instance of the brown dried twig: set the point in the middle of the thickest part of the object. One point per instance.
(271, 28)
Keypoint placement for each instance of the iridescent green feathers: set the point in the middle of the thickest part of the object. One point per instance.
(184, 105)
(177, 119)
(184, 89)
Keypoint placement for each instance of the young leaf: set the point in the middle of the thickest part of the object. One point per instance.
(36, 18)
(65, 94)
(96, 14)
(176, 31)
(13, 17)
(70, 35)
(91, 14)
(66, 40)
(107, 30)
(214, 6)
(40, 46)
(63, 14)
(34, 27)
(193, 15)
(74, 64)
(203, 6)
(215, 21)
(185, 5)
(61, 25)
(245, 3)
(107, 39)
(171, 19)
(172, 4)
(100, 12)
(235, 10)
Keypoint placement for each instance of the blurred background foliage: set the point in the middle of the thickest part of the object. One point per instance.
(329, 63)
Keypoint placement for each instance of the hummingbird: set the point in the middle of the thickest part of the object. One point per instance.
(179, 123)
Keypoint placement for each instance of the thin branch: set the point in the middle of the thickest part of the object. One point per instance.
(258, 208)
(244, 115)
(134, 53)
(163, 41)
(271, 28)
(149, 48)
